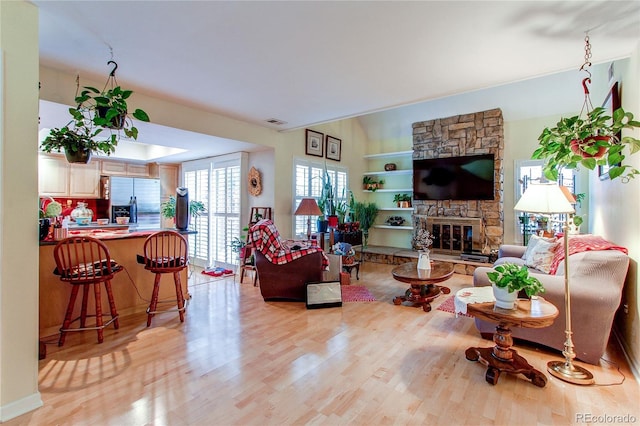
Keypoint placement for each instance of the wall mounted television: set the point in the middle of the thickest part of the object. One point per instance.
(454, 178)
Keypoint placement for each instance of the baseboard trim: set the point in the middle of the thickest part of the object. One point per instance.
(20, 407)
(633, 365)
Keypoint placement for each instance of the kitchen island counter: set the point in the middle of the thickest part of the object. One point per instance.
(129, 286)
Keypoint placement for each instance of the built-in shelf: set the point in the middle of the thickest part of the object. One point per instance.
(389, 154)
(390, 190)
(393, 227)
(396, 209)
(389, 173)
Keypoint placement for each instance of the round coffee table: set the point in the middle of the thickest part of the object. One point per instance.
(423, 289)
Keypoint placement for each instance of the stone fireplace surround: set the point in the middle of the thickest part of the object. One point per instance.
(461, 135)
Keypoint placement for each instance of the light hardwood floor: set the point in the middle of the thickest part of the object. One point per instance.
(240, 361)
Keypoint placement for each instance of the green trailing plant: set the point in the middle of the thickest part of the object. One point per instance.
(95, 111)
(237, 243)
(110, 110)
(589, 142)
(515, 278)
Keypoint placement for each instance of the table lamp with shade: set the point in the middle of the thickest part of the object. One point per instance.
(308, 207)
(548, 198)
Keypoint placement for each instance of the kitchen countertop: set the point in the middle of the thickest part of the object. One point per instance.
(111, 233)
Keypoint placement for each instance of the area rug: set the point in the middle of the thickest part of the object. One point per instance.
(217, 272)
(356, 293)
(448, 306)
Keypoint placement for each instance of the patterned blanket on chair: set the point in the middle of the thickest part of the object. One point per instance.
(580, 243)
(265, 238)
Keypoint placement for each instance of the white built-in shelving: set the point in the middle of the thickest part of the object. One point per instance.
(397, 181)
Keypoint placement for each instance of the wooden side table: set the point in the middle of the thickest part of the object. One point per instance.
(423, 289)
(535, 313)
(349, 267)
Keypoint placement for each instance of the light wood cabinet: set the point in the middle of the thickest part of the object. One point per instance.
(84, 180)
(58, 178)
(120, 168)
(53, 176)
(168, 174)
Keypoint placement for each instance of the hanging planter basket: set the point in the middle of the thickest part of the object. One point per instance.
(590, 147)
(80, 156)
(116, 122)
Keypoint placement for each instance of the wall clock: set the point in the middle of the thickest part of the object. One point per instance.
(255, 182)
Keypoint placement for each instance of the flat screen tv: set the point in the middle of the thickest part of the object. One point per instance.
(454, 178)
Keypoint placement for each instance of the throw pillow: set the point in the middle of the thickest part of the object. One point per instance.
(541, 256)
(531, 246)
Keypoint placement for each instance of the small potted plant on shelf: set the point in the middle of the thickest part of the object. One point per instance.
(590, 142)
(402, 200)
(369, 183)
(508, 280)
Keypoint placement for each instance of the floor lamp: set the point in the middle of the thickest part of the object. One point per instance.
(548, 198)
(308, 207)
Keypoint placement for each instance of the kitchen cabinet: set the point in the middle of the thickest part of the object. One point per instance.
(120, 168)
(53, 176)
(59, 178)
(398, 181)
(84, 180)
(168, 174)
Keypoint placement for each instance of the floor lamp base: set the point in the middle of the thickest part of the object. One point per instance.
(569, 372)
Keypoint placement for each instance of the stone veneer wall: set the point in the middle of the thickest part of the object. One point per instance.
(460, 135)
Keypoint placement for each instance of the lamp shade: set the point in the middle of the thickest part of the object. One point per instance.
(544, 198)
(308, 207)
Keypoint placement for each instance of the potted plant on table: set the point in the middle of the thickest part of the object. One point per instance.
(508, 279)
(590, 142)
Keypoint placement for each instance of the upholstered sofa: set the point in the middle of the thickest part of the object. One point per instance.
(596, 280)
(284, 268)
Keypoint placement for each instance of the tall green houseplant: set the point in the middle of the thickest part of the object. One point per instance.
(366, 214)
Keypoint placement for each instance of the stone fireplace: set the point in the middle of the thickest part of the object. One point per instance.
(475, 224)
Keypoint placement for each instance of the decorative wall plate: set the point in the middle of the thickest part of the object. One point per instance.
(255, 182)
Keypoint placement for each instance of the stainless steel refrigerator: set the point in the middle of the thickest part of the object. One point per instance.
(141, 193)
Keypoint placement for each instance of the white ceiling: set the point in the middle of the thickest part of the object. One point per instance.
(308, 62)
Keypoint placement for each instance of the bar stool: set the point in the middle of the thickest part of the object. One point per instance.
(165, 252)
(82, 262)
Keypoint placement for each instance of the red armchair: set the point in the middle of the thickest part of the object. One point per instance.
(283, 271)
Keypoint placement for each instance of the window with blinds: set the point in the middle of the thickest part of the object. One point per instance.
(197, 181)
(217, 184)
(308, 184)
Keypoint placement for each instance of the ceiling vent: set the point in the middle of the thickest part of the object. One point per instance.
(276, 122)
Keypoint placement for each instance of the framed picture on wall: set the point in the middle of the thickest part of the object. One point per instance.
(314, 145)
(611, 103)
(334, 146)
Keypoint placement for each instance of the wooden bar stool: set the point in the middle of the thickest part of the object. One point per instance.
(82, 262)
(166, 252)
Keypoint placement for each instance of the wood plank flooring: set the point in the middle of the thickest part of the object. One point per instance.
(237, 360)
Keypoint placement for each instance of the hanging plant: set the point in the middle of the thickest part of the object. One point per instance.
(589, 141)
(95, 111)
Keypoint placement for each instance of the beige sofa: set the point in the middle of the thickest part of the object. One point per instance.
(596, 280)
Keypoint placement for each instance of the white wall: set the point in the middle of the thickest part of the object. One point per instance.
(18, 209)
(615, 207)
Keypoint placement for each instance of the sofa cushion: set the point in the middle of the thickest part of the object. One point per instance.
(540, 252)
